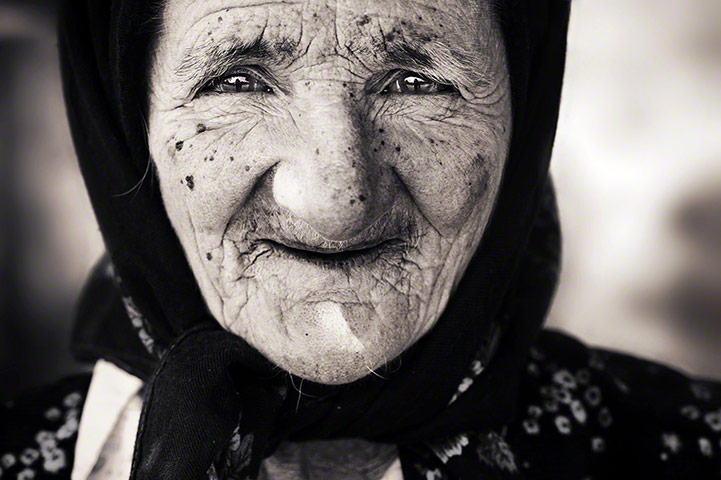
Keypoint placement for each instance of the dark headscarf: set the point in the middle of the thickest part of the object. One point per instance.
(205, 386)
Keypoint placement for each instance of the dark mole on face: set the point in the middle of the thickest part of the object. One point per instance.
(200, 128)
(190, 182)
(209, 256)
(247, 168)
(179, 145)
(231, 159)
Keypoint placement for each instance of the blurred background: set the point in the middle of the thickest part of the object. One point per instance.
(637, 165)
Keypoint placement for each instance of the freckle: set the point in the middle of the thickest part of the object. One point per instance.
(431, 140)
(179, 145)
(209, 256)
(381, 130)
(350, 94)
(375, 149)
(352, 201)
(231, 159)
(420, 18)
(345, 84)
(220, 19)
(362, 198)
(398, 149)
(317, 151)
(383, 142)
(211, 158)
(190, 182)
(247, 168)
(200, 128)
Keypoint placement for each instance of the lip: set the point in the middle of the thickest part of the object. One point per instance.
(354, 255)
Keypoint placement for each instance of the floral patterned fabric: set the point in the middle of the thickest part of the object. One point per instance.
(38, 431)
(583, 414)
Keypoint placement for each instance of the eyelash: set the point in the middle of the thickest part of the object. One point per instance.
(253, 80)
(403, 88)
(398, 84)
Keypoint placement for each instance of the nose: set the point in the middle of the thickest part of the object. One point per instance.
(329, 177)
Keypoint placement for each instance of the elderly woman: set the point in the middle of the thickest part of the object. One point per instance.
(332, 242)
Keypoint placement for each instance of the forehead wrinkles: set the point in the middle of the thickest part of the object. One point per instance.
(184, 16)
(363, 32)
(457, 36)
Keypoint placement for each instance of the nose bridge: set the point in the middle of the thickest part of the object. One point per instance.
(328, 179)
(333, 123)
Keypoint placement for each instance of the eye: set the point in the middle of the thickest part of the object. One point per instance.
(238, 82)
(416, 84)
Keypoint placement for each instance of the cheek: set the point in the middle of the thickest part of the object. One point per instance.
(452, 172)
(207, 167)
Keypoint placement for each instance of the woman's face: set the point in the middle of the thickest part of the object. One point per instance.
(329, 166)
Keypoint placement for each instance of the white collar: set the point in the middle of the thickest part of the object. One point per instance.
(111, 392)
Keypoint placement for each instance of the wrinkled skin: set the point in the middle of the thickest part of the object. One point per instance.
(318, 150)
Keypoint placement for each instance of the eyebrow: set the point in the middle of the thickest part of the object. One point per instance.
(202, 63)
(408, 54)
(433, 59)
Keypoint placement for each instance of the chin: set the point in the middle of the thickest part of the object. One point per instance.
(331, 369)
(331, 342)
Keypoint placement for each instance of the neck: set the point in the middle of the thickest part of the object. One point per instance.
(346, 459)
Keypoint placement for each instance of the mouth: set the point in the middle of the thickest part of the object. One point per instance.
(354, 255)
